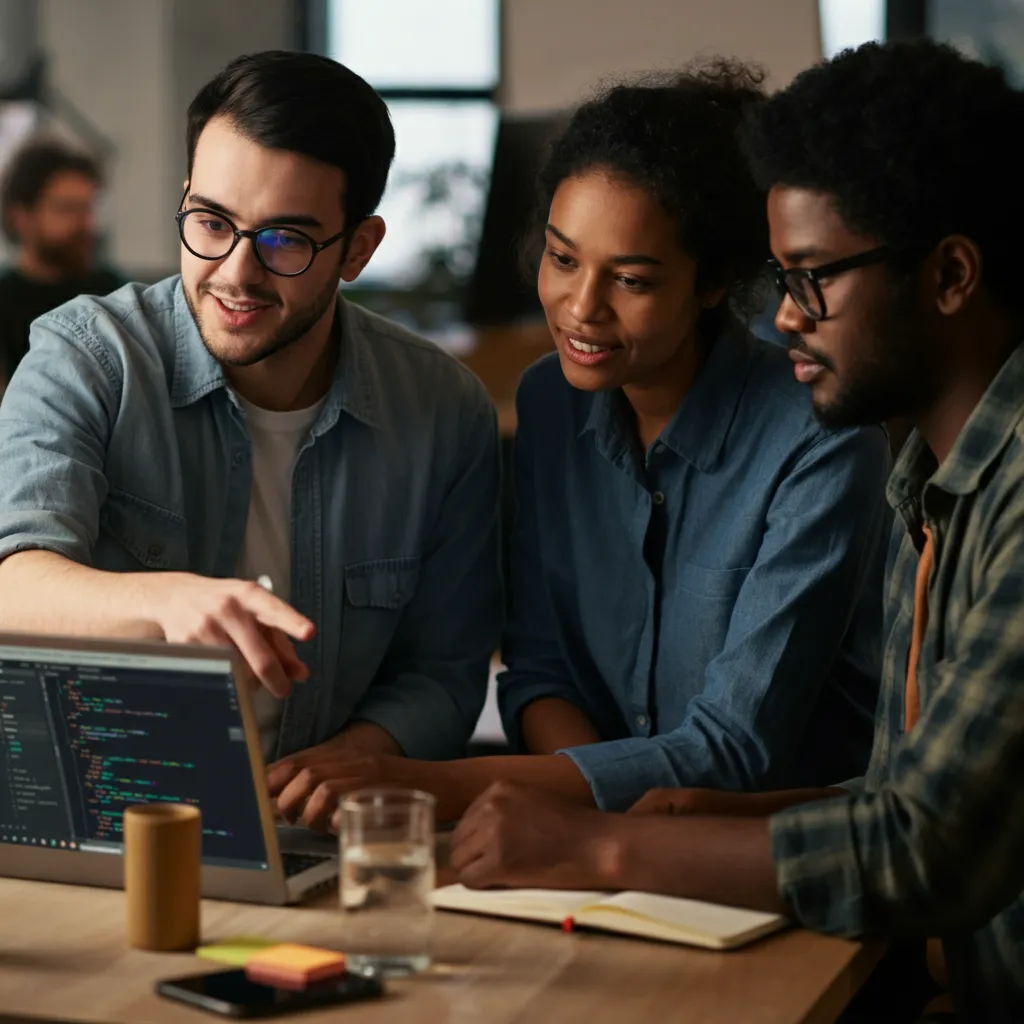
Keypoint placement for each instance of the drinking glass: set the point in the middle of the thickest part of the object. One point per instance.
(387, 876)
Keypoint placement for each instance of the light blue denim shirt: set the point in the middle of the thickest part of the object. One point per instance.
(713, 604)
(122, 447)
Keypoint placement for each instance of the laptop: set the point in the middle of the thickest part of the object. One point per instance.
(91, 727)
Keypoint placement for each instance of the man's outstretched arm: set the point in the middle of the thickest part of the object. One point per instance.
(518, 837)
(55, 430)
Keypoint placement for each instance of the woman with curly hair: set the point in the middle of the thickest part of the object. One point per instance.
(695, 594)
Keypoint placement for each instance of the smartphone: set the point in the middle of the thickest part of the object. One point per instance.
(232, 994)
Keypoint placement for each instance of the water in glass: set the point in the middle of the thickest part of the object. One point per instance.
(387, 875)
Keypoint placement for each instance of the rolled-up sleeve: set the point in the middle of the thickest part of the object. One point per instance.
(55, 423)
(431, 687)
(824, 535)
(938, 848)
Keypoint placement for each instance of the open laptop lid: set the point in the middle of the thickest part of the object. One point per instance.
(90, 727)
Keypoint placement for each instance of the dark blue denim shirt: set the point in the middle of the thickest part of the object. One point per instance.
(714, 603)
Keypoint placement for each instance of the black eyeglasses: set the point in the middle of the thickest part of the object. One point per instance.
(804, 283)
(287, 252)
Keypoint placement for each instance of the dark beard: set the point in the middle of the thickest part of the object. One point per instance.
(895, 380)
(296, 327)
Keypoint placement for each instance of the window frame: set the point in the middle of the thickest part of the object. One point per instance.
(311, 31)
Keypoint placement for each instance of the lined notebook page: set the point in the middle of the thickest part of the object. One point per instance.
(709, 923)
(629, 913)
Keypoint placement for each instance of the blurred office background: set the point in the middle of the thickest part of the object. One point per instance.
(473, 87)
(472, 84)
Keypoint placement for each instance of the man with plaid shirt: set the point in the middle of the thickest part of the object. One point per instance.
(896, 215)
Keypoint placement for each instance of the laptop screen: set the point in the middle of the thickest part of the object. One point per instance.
(85, 734)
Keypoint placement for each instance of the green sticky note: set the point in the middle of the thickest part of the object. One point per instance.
(236, 950)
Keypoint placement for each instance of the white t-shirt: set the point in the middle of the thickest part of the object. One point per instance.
(266, 549)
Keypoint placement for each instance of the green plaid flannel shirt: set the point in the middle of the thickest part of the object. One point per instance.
(931, 841)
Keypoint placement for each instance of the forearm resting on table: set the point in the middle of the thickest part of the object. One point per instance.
(719, 860)
(456, 784)
(48, 593)
(756, 805)
(552, 724)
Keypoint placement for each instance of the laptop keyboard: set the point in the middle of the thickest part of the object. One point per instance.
(296, 863)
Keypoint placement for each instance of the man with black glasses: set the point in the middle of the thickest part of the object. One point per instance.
(896, 214)
(238, 455)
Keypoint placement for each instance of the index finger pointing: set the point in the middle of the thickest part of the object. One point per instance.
(272, 611)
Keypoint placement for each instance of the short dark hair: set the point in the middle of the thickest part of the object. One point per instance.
(675, 136)
(30, 170)
(914, 142)
(308, 104)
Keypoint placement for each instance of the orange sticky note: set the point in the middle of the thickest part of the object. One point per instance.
(290, 965)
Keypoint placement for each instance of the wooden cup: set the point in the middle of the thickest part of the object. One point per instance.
(162, 876)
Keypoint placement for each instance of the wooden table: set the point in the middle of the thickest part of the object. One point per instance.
(62, 954)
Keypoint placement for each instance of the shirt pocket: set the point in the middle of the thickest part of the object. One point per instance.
(384, 585)
(376, 594)
(697, 616)
(137, 535)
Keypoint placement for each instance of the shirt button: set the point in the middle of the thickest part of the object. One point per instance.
(239, 458)
(658, 497)
(156, 550)
(641, 720)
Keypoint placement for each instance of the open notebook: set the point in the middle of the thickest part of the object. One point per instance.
(630, 913)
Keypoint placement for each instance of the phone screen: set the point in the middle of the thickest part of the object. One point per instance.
(233, 994)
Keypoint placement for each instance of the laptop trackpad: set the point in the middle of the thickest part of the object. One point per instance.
(295, 839)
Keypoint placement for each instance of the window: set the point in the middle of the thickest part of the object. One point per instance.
(848, 23)
(417, 46)
(437, 64)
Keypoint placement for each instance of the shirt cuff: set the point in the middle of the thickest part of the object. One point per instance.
(420, 737)
(71, 550)
(619, 772)
(817, 867)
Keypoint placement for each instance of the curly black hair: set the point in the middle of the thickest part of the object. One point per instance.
(914, 142)
(675, 136)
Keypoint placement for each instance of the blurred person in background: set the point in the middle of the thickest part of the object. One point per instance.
(48, 204)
